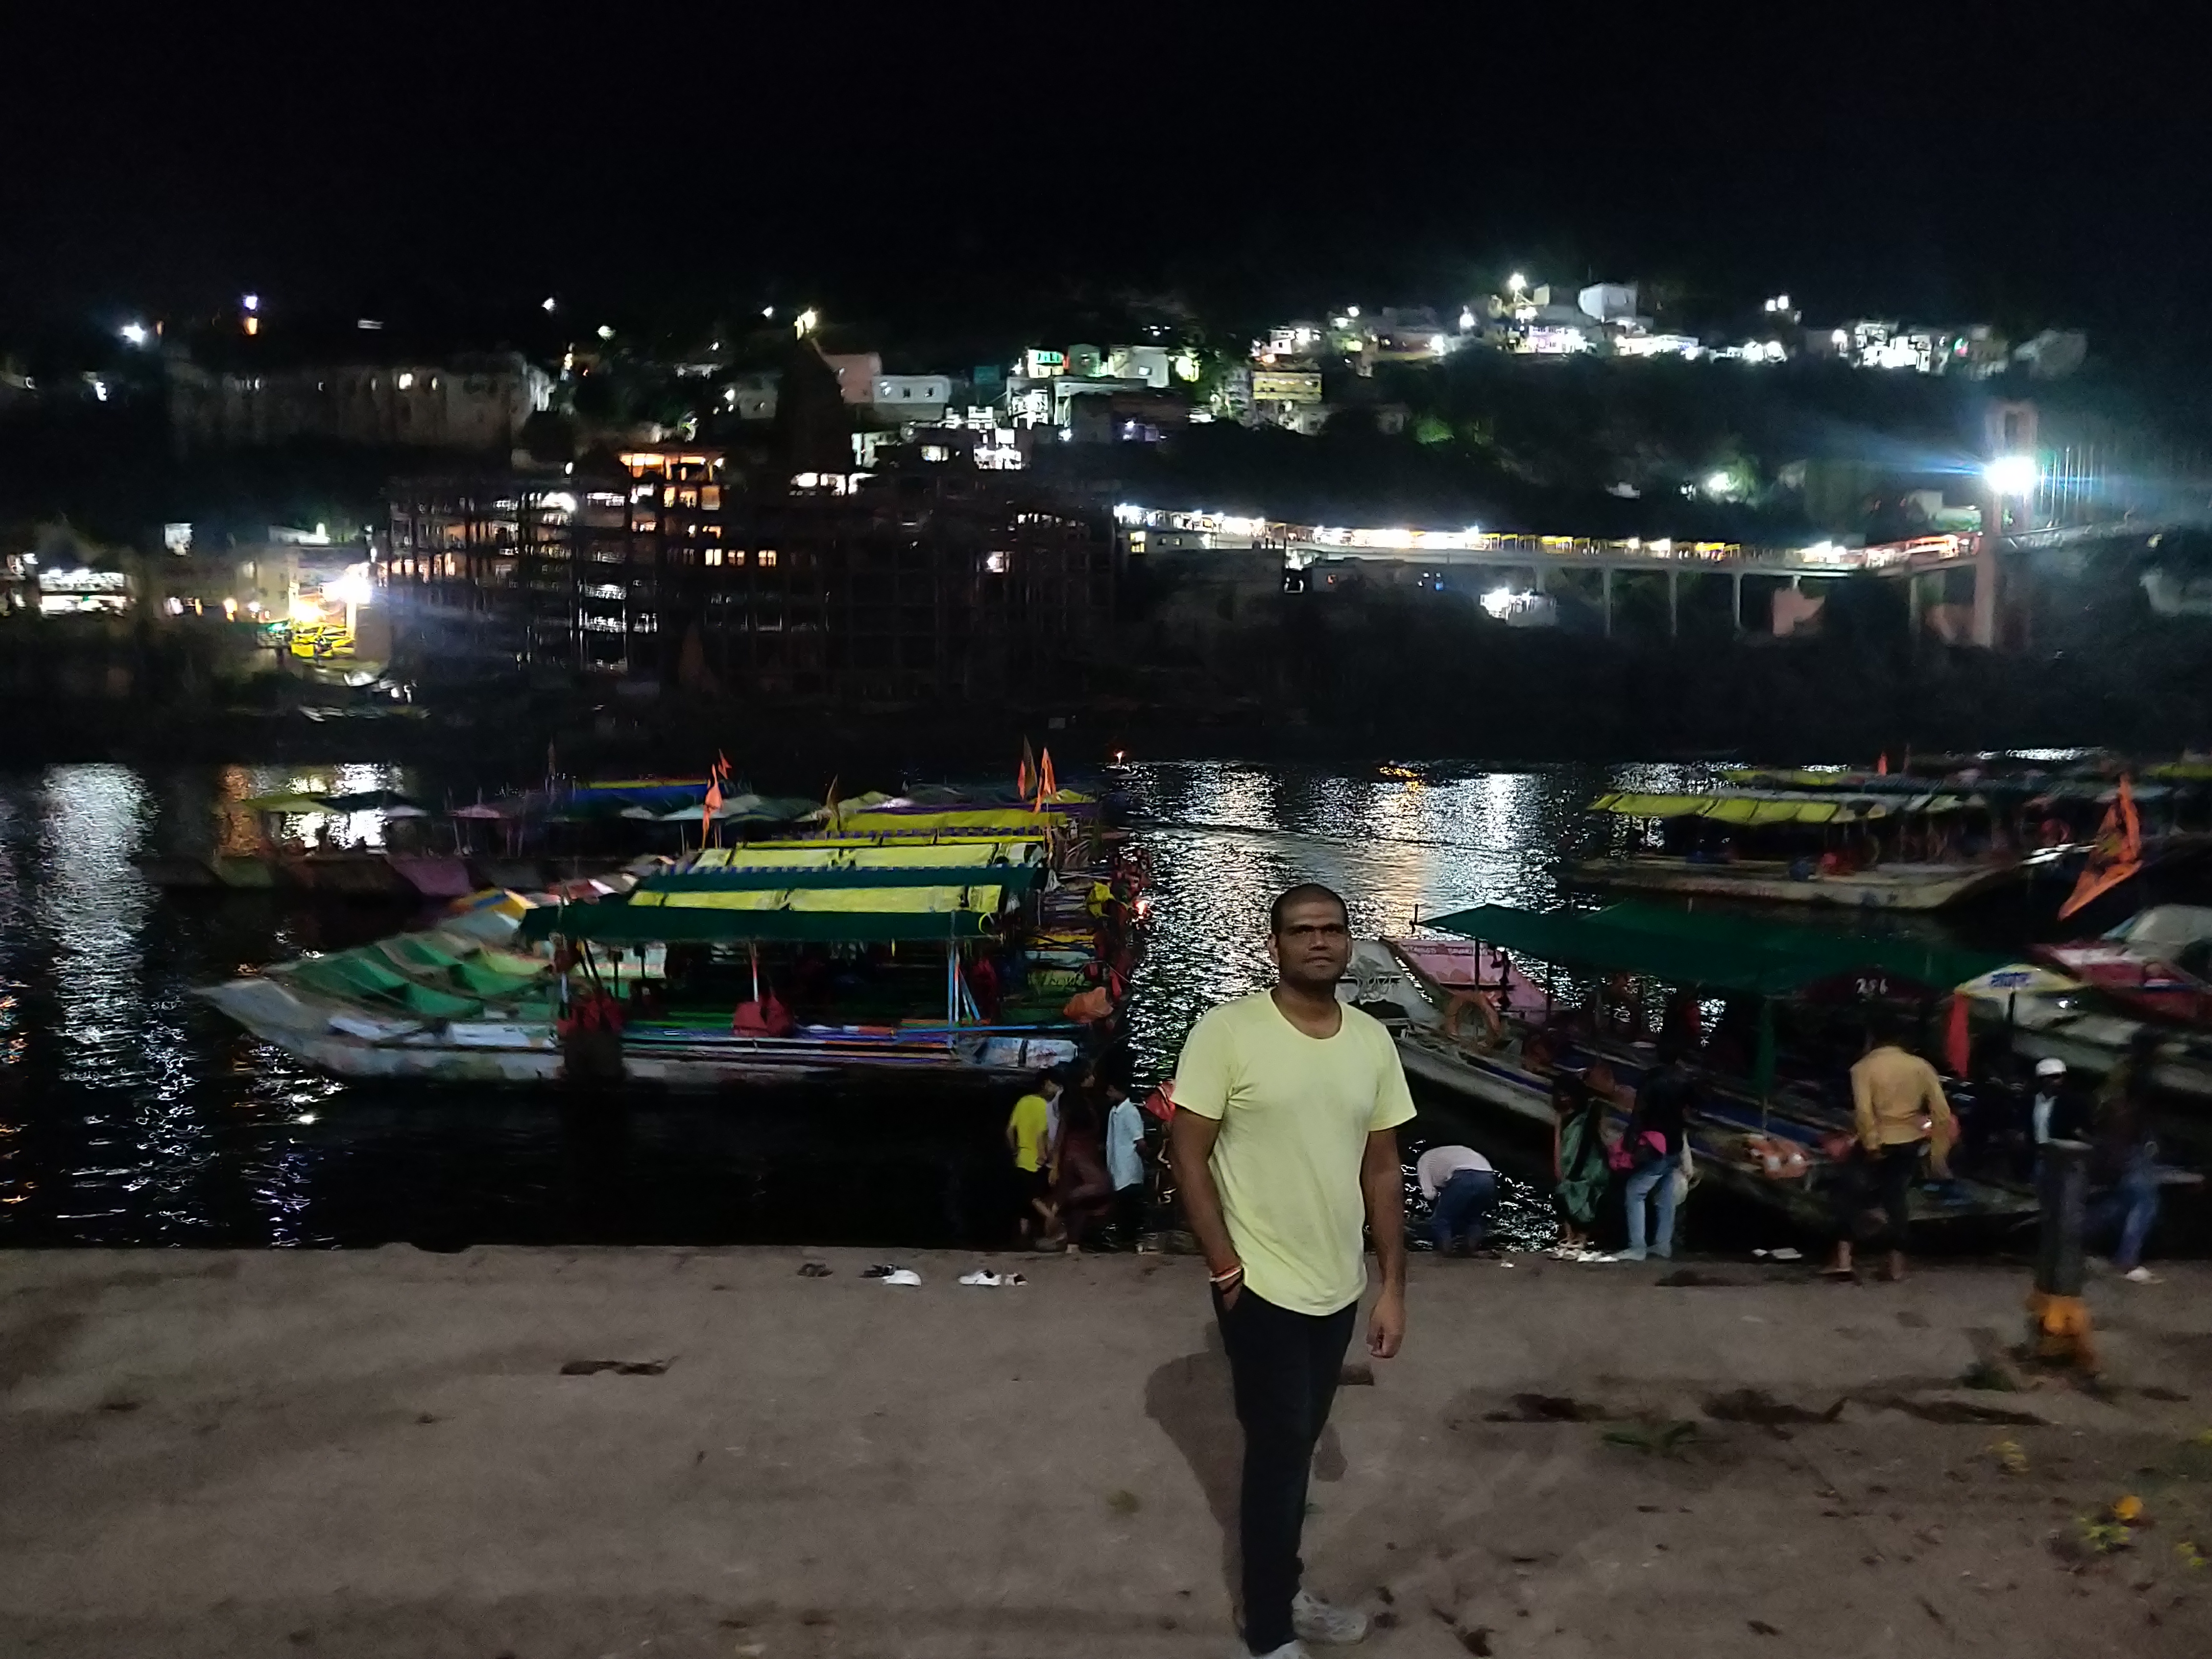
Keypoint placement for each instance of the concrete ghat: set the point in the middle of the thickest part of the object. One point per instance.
(379, 1452)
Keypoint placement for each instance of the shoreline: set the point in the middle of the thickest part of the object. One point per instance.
(385, 1452)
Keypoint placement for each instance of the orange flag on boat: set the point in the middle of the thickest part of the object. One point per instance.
(837, 822)
(1881, 765)
(2116, 856)
(1026, 775)
(1957, 1037)
(1047, 785)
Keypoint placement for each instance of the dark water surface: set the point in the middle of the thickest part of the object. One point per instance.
(132, 1114)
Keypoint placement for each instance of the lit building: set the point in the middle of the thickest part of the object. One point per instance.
(663, 571)
(910, 397)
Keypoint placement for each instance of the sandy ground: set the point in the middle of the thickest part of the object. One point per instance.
(394, 1453)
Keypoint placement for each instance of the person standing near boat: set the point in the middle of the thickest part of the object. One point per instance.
(1579, 1172)
(1030, 1139)
(1284, 1140)
(1125, 1151)
(1653, 1149)
(1897, 1105)
(2123, 1158)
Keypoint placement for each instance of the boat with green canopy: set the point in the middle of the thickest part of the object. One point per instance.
(1496, 1011)
(844, 954)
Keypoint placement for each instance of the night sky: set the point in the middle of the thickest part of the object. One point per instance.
(950, 164)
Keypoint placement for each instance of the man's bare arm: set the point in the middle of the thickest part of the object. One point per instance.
(1190, 1146)
(1382, 1181)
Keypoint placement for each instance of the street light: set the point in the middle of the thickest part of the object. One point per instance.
(2012, 474)
(135, 333)
(1515, 282)
(546, 304)
(252, 302)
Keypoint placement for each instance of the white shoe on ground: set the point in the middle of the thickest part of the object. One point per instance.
(1290, 1649)
(2140, 1276)
(1317, 1620)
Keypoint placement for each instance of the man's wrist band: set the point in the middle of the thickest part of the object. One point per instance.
(1229, 1276)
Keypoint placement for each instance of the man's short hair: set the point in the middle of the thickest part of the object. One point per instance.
(1886, 1028)
(1305, 892)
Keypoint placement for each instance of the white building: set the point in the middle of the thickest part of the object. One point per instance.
(911, 396)
(1154, 365)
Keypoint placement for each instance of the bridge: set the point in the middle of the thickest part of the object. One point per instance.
(1303, 548)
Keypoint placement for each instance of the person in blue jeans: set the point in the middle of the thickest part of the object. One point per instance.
(1654, 1137)
(1462, 1189)
(2123, 1161)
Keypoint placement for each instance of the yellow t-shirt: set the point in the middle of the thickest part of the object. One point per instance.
(1031, 1118)
(1295, 1112)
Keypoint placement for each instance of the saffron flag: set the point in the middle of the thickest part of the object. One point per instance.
(1957, 1037)
(2116, 856)
(1026, 775)
(837, 822)
(1881, 764)
(1047, 785)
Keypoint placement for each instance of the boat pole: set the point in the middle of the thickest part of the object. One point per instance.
(2057, 1317)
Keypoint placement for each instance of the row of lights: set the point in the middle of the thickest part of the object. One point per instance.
(136, 333)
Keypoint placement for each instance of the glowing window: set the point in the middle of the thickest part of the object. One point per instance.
(768, 558)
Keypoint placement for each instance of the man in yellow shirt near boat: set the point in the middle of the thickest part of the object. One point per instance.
(1284, 1142)
(1896, 1103)
(1029, 1137)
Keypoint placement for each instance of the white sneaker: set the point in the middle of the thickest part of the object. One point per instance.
(2140, 1276)
(1317, 1620)
(1290, 1649)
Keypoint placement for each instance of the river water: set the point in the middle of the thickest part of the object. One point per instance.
(130, 1113)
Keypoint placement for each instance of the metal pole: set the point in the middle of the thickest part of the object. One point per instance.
(2058, 1320)
(1605, 588)
(1673, 629)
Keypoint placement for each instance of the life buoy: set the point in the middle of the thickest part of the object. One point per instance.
(1493, 1027)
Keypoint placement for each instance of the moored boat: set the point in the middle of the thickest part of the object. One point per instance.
(1916, 849)
(1768, 1126)
(957, 955)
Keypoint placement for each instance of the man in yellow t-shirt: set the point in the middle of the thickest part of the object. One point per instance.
(1029, 1137)
(1283, 1142)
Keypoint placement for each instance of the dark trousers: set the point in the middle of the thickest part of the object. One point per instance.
(1284, 1367)
(1463, 1206)
(1887, 1175)
(1129, 1214)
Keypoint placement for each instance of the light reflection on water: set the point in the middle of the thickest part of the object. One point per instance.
(130, 1113)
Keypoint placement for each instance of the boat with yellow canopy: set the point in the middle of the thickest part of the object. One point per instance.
(1891, 849)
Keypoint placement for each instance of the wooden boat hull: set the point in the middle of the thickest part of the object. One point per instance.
(177, 874)
(1903, 887)
(527, 1053)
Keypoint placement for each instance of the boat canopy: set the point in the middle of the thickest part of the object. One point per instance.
(1746, 806)
(1766, 806)
(612, 923)
(1008, 821)
(1713, 951)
